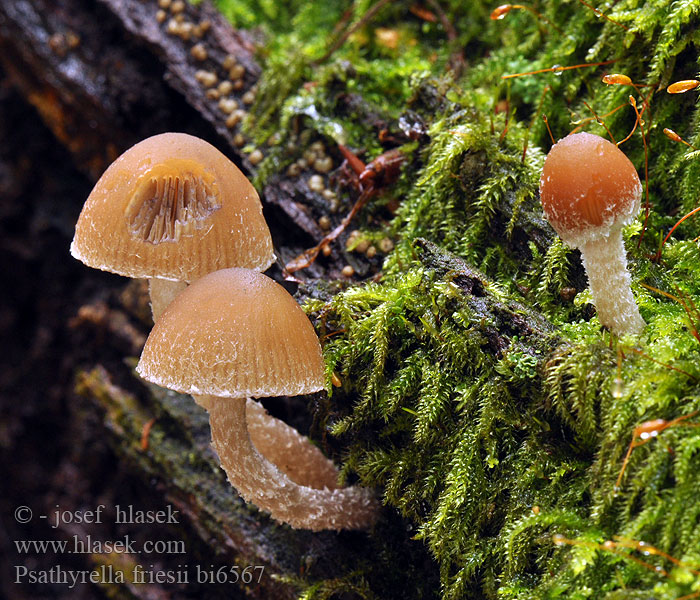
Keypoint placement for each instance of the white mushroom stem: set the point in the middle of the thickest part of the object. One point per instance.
(315, 506)
(163, 292)
(606, 266)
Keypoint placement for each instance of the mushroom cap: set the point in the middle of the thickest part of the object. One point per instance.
(172, 207)
(588, 188)
(234, 333)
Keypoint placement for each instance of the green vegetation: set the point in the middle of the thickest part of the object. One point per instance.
(487, 406)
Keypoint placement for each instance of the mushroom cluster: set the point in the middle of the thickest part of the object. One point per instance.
(175, 210)
(590, 190)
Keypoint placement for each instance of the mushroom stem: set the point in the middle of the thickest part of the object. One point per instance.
(606, 266)
(290, 451)
(312, 506)
(284, 446)
(163, 292)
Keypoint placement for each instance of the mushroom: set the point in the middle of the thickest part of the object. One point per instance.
(172, 208)
(589, 191)
(233, 334)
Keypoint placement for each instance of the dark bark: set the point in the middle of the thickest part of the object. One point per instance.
(507, 320)
(177, 456)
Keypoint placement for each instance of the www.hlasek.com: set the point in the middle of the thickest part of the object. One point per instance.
(88, 545)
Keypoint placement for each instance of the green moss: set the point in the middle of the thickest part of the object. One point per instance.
(490, 409)
(466, 441)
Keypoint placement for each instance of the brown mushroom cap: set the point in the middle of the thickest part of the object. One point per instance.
(587, 187)
(234, 333)
(173, 207)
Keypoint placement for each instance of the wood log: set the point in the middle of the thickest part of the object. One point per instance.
(167, 441)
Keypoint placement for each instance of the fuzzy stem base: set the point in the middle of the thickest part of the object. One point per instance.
(291, 452)
(264, 484)
(605, 262)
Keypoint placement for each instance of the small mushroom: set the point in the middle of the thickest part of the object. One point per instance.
(172, 208)
(233, 334)
(589, 191)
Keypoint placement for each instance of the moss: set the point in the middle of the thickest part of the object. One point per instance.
(483, 401)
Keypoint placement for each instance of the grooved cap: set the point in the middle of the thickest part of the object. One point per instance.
(172, 207)
(587, 187)
(234, 333)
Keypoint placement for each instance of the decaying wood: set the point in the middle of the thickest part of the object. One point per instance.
(503, 321)
(178, 456)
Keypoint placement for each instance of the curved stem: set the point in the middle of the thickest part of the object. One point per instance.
(284, 446)
(606, 266)
(261, 482)
(163, 292)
